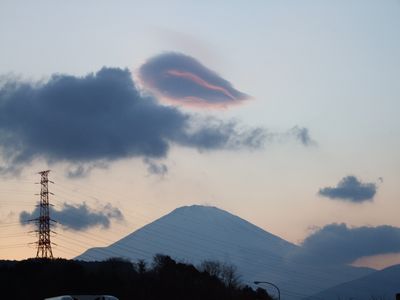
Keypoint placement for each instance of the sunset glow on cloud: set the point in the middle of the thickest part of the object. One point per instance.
(183, 79)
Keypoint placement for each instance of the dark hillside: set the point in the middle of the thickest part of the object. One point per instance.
(165, 279)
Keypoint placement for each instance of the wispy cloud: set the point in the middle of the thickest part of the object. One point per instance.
(155, 168)
(82, 170)
(302, 134)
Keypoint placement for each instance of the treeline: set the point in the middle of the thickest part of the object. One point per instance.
(163, 279)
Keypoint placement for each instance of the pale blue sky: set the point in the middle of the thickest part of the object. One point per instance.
(331, 66)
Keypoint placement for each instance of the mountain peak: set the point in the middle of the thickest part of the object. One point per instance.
(197, 233)
(197, 208)
(216, 221)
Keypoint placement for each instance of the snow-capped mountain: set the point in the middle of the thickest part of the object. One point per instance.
(197, 233)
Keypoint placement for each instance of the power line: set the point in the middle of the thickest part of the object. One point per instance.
(102, 252)
(86, 237)
(315, 274)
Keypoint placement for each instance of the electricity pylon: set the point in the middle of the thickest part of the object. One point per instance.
(44, 220)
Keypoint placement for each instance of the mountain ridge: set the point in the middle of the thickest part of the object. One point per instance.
(196, 233)
(378, 285)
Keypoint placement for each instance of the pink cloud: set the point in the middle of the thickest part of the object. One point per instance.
(183, 80)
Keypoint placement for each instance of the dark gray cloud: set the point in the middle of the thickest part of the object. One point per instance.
(340, 244)
(78, 216)
(101, 117)
(182, 78)
(350, 189)
(155, 168)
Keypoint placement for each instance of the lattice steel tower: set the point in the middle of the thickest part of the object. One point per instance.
(44, 220)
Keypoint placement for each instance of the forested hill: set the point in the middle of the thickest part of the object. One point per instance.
(164, 279)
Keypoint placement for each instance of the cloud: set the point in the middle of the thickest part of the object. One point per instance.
(185, 80)
(101, 117)
(350, 189)
(340, 244)
(302, 134)
(78, 216)
(83, 170)
(155, 168)
(78, 171)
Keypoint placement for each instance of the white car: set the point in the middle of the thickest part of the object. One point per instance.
(83, 297)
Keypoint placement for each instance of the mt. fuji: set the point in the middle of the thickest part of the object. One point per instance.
(196, 233)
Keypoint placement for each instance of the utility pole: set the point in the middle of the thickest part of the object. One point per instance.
(44, 220)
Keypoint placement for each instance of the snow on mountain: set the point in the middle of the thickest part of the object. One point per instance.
(384, 284)
(197, 233)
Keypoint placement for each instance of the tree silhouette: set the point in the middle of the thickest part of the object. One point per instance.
(37, 279)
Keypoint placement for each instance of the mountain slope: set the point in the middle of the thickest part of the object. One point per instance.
(197, 233)
(382, 284)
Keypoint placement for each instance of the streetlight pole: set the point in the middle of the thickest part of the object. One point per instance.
(275, 286)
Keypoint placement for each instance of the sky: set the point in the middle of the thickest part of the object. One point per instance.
(284, 113)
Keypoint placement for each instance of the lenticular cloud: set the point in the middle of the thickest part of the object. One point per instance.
(185, 80)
